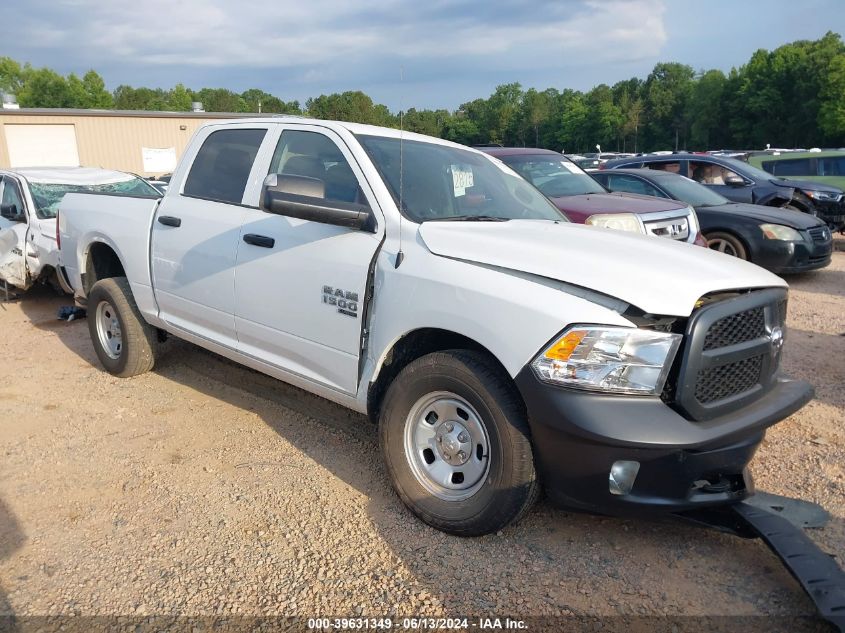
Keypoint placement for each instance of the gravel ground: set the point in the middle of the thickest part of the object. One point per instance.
(204, 488)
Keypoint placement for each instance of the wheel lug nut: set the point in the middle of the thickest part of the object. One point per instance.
(462, 456)
(462, 437)
(450, 427)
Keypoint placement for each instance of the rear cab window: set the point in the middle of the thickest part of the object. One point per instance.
(221, 168)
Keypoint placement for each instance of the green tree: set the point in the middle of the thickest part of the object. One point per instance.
(12, 75)
(45, 88)
(536, 109)
(832, 97)
(705, 110)
(96, 95)
(179, 99)
(666, 92)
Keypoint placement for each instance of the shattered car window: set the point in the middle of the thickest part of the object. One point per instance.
(48, 196)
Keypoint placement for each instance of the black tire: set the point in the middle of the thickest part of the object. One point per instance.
(727, 243)
(509, 487)
(139, 340)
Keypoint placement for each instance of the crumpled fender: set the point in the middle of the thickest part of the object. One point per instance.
(776, 198)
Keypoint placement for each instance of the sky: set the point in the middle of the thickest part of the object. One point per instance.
(433, 54)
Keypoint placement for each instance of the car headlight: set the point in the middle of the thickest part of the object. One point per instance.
(611, 359)
(823, 196)
(780, 232)
(617, 221)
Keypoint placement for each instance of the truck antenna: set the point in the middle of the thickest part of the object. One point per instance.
(400, 255)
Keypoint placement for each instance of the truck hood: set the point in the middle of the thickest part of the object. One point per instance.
(658, 276)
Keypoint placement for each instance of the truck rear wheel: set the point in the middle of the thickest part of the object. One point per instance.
(124, 342)
(454, 435)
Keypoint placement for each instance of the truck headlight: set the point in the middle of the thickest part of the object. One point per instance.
(780, 232)
(617, 221)
(611, 359)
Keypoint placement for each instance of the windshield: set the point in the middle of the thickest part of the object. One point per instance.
(689, 191)
(746, 169)
(48, 196)
(439, 182)
(553, 176)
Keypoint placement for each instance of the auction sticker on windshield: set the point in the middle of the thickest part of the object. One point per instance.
(461, 179)
(570, 166)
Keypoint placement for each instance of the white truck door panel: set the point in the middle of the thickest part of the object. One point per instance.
(193, 264)
(195, 235)
(299, 303)
(12, 237)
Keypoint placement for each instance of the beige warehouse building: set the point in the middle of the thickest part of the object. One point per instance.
(141, 142)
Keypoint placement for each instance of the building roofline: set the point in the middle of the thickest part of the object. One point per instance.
(129, 113)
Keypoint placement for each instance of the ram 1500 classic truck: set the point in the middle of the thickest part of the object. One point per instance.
(499, 347)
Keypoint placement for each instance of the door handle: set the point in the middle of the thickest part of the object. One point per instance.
(259, 240)
(169, 220)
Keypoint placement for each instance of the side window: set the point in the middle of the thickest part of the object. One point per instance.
(631, 184)
(673, 166)
(314, 155)
(222, 165)
(833, 166)
(710, 174)
(792, 167)
(11, 195)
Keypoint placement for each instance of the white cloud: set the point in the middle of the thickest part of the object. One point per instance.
(258, 34)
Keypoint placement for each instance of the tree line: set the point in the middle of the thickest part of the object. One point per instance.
(793, 96)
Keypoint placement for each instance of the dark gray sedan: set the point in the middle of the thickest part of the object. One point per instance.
(781, 240)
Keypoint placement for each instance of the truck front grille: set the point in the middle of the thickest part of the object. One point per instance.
(736, 328)
(718, 383)
(731, 353)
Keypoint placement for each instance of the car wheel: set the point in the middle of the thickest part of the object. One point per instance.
(726, 243)
(125, 344)
(454, 436)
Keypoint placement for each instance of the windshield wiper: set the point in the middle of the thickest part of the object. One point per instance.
(470, 218)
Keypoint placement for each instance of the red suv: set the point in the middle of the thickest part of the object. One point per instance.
(585, 201)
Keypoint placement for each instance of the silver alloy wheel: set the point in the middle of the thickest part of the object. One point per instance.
(108, 330)
(723, 246)
(446, 446)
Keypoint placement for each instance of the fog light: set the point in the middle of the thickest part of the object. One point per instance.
(622, 476)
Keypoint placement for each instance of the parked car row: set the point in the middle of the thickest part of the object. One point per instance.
(663, 203)
(781, 240)
(741, 182)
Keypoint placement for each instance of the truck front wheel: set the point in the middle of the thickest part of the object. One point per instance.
(124, 342)
(455, 438)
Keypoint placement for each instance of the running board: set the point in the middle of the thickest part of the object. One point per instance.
(818, 573)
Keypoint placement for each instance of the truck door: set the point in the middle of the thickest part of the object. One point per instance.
(196, 230)
(300, 285)
(13, 232)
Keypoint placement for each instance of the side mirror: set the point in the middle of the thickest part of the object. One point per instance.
(10, 212)
(734, 181)
(304, 198)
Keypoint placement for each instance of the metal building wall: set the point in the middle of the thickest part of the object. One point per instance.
(113, 140)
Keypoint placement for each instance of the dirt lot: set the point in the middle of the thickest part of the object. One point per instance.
(206, 488)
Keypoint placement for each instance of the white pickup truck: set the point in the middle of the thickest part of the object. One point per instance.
(498, 346)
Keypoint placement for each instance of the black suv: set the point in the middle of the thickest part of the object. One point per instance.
(740, 182)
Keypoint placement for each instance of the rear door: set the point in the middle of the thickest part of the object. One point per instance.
(13, 233)
(300, 286)
(196, 231)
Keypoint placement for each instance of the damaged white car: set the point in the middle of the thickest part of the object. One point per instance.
(29, 200)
